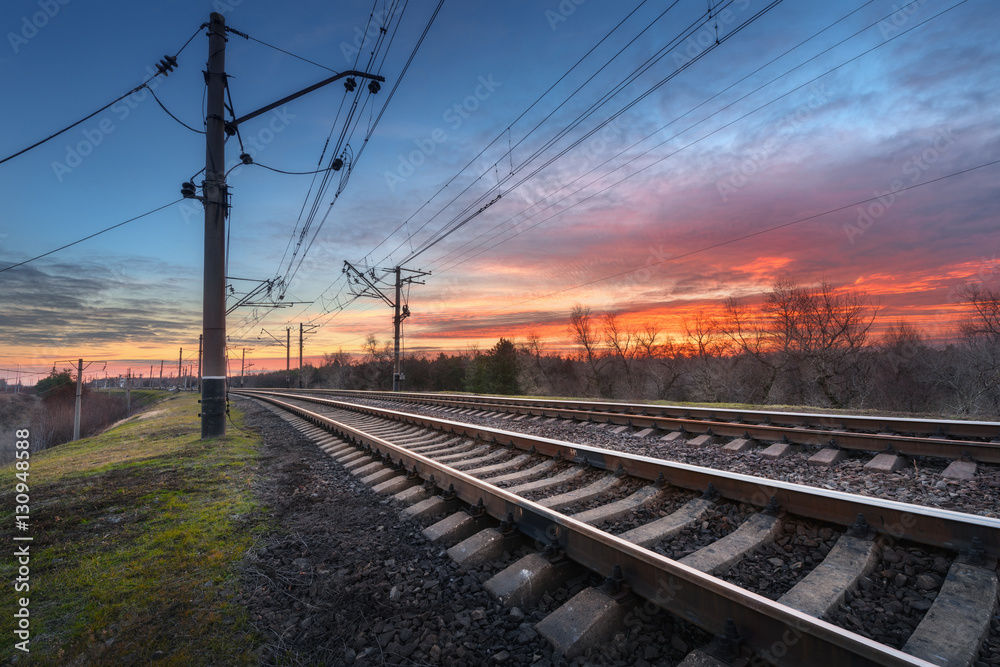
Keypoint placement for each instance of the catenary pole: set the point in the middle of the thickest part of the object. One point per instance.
(79, 398)
(397, 325)
(201, 342)
(213, 382)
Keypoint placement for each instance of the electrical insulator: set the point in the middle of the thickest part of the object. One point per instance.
(350, 84)
(230, 129)
(338, 164)
(187, 190)
(374, 87)
(245, 158)
(166, 65)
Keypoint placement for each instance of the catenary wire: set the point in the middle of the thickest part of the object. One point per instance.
(715, 131)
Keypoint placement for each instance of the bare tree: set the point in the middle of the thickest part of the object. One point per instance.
(977, 376)
(623, 343)
(661, 361)
(533, 375)
(585, 335)
(375, 350)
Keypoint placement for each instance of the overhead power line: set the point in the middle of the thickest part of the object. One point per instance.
(106, 229)
(459, 261)
(164, 67)
(744, 237)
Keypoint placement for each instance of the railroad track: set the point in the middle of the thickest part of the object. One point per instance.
(973, 441)
(585, 507)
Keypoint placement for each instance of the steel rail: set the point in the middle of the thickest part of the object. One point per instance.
(953, 428)
(835, 435)
(927, 525)
(787, 636)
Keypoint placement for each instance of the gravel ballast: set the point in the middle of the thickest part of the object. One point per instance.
(919, 483)
(344, 580)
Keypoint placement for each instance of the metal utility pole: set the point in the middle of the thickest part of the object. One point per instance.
(288, 352)
(215, 199)
(312, 327)
(365, 283)
(200, 343)
(243, 366)
(161, 374)
(128, 392)
(397, 325)
(180, 360)
(79, 399)
(213, 382)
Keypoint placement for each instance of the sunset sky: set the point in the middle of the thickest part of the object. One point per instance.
(630, 157)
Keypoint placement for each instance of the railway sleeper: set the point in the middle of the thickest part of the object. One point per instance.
(505, 466)
(954, 628)
(457, 527)
(823, 589)
(722, 554)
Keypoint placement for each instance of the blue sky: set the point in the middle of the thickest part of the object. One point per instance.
(722, 162)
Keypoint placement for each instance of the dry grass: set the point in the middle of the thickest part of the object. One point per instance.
(137, 532)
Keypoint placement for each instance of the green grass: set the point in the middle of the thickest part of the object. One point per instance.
(136, 535)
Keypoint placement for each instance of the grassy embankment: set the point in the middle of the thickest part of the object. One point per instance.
(136, 535)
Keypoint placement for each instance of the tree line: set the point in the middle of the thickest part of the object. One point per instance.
(798, 345)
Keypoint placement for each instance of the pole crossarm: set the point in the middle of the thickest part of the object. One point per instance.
(276, 339)
(304, 91)
(371, 289)
(264, 286)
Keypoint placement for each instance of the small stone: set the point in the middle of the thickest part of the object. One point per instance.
(394, 594)
(516, 614)
(777, 562)
(926, 582)
(527, 633)
(900, 580)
